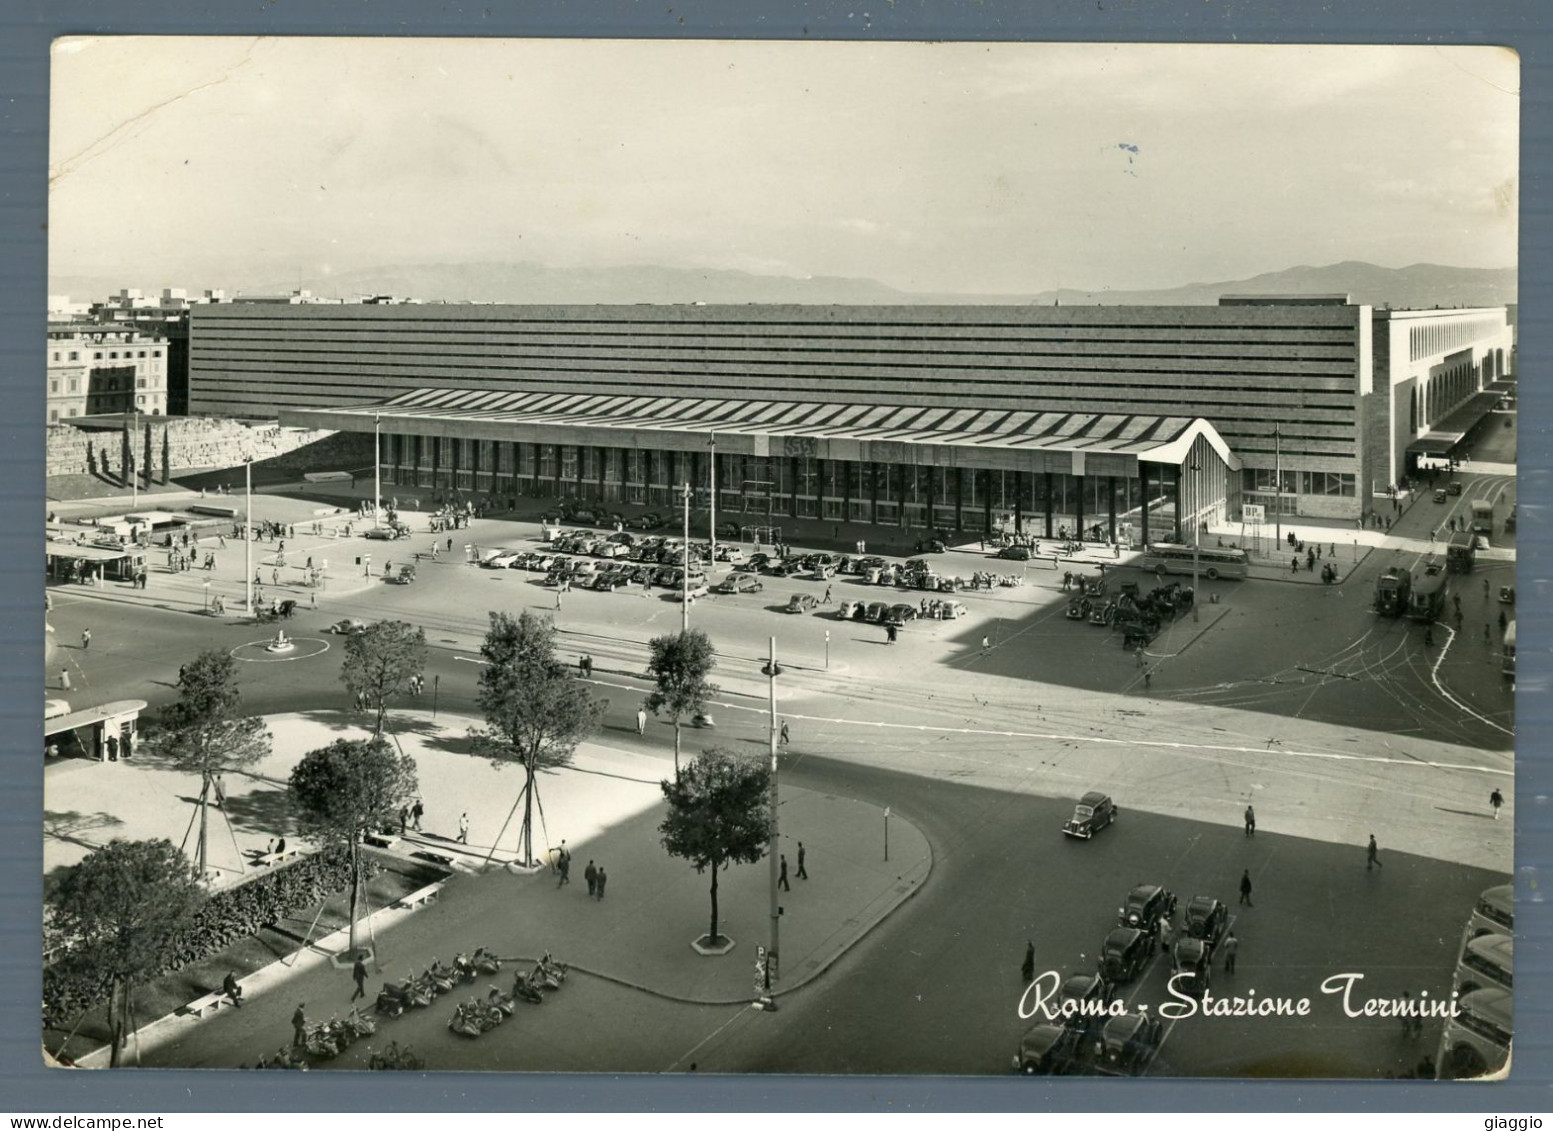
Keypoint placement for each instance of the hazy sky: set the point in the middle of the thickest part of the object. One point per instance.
(959, 167)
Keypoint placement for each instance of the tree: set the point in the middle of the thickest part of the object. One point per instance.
(127, 902)
(535, 711)
(680, 664)
(204, 731)
(380, 661)
(719, 814)
(344, 790)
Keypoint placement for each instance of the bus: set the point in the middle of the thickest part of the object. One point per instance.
(1493, 914)
(1482, 516)
(1476, 1041)
(1509, 650)
(1461, 552)
(1213, 563)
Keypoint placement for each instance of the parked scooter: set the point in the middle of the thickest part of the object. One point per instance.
(501, 1001)
(485, 961)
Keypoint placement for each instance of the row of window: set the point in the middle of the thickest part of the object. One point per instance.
(111, 385)
(1258, 480)
(113, 355)
(1438, 337)
(75, 411)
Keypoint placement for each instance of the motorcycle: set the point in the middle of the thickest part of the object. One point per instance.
(391, 1000)
(418, 991)
(359, 1026)
(542, 979)
(321, 1044)
(524, 989)
(463, 969)
(441, 978)
(502, 1001)
(485, 961)
(464, 1024)
(552, 968)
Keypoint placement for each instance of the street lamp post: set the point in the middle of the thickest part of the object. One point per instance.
(377, 469)
(248, 531)
(1277, 486)
(827, 649)
(712, 500)
(684, 596)
(771, 671)
(1196, 469)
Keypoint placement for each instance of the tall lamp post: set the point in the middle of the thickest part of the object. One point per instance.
(684, 596)
(1196, 470)
(248, 531)
(771, 671)
(712, 501)
(377, 468)
(1277, 486)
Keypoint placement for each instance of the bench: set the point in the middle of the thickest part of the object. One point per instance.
(211, 1001)
(427, 894)
(380, 840)
(269, 859)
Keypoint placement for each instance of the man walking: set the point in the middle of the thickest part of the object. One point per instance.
(404, 818)
(1245, 888)
(415, 813)
(782, 878)
(601, 879)
(803, 873)
(1231, 945)
(1027, 968)
(1373, 855)
(591, 874)
(826, 601)
(1250, 821)
(784, 738)
(86, 639)
(641, 720)
(359, 972)
(463, 828)
(299, 1026)
(1496, 799)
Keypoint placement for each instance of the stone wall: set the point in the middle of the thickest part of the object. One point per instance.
(206, 442)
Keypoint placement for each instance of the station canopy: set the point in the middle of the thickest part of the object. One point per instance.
(1148, 437)
(1442, 439)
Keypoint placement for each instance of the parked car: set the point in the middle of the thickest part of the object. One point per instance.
(625, 538)
(664, 576)
(822, 572)
(1085, 995)
(755, 563)
(900, 614)
(541, 562)
(1206, 919)
(502, 561)
(384, 533)
(649, 521)
(801, 603)
(611, 550)
(1093, 812)
(734, 555)
(863, 565)
(1049, 1049)
(877, 612)
(1128, 1042)
(741, 583)
(951, 610)
(1124, 954)
(728, 530)
(850, 610)
(405, 576)
(347, 627)
(1015, 553)
(1193, 967)
(696, 586)
(1146, 905)
(930, 546)
(1454, 486)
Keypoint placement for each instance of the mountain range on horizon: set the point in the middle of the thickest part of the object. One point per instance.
(1421, 285)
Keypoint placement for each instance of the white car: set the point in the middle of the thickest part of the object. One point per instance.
(731, 554)
(503, 560)
(695, 587)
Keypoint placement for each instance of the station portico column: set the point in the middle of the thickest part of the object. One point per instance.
(1048, 503)
(1110, 494)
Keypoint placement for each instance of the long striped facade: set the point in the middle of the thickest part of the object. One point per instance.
(893, 414)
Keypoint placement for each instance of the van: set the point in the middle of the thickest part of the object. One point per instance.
(1476, 1041)
(1486, 961)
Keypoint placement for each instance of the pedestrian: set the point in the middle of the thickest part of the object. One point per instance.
(1027, 968)
(591, 874)
(415, 813)
(1487, 639)
(299, 1026)
(450, 545)
(220, 792)
(1231, 946)
(1148, 678)
(826, 601)
(86, 638)
(803, 873)
(1373, 855)
(463, 828)
(1250, 821)
(1295, 565)
(359, 972)
(986, 643)
(1485, 587)
(1496, 799)
(641, 720)
(1245, 888)
(404, 818)
(232, 990)
(782, 877)
(601, 879)
(785, 738)
(564, 867)
(64, 679)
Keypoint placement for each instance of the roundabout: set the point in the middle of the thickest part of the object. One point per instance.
(279, 648)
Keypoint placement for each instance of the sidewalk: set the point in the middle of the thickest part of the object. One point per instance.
(606, 807)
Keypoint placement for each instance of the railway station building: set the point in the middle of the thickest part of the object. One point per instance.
(1125, 423)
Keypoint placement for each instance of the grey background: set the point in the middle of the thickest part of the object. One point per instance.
(26, 28)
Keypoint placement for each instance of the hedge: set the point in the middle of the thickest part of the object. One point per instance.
(75, 983)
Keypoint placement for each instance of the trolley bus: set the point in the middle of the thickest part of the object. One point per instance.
(1213, 563)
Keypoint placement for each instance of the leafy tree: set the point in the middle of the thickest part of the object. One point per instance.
(205, 732)
(680, 664)
(536, 713)
(342, 791)
(127, 901)
(380, 661)
(719, 814)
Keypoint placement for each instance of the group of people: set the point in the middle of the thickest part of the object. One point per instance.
(411, 813)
